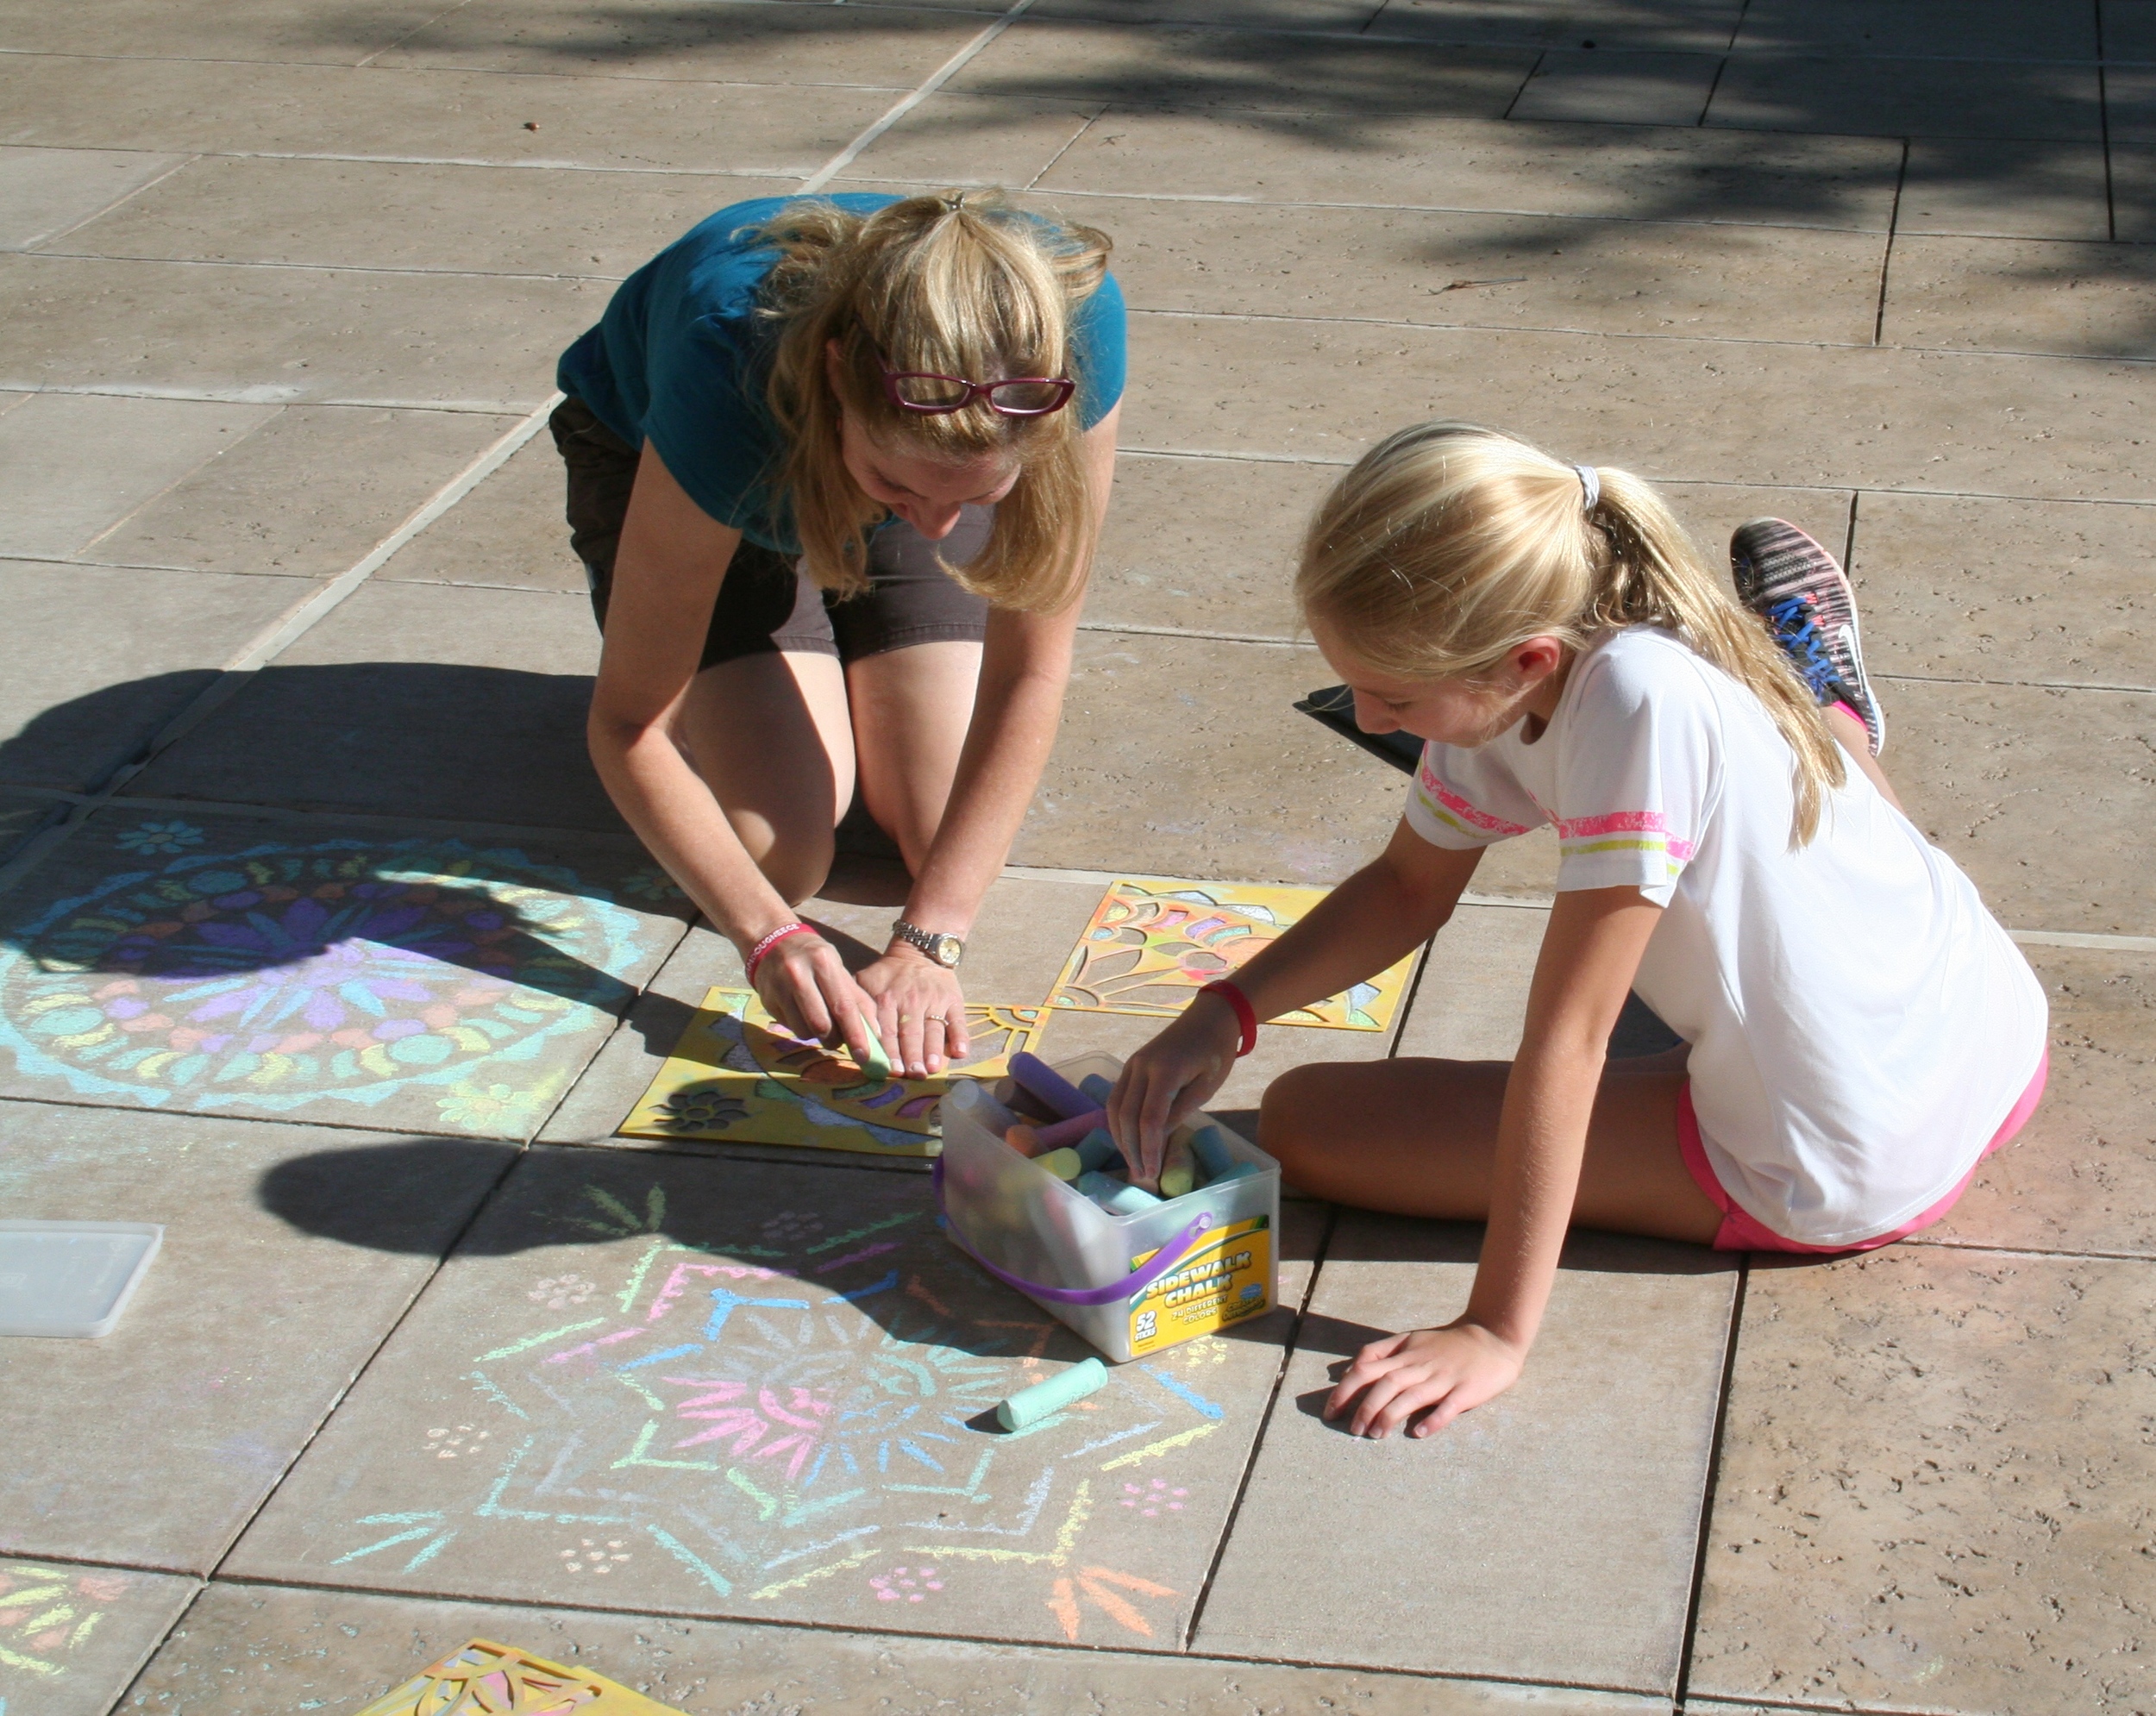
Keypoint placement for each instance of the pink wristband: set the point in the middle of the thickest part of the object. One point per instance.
(1245, 1014)
(756, 953)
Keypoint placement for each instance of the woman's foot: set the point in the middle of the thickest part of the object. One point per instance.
(1800, 591)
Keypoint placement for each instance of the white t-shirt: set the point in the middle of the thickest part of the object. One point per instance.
(1860, 1026)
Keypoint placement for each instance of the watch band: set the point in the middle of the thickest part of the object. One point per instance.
(945, 949)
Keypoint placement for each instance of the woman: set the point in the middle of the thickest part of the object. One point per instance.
(837, 466)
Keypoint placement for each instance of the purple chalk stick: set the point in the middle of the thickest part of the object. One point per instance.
(1051, 1086)
(1061, 1132)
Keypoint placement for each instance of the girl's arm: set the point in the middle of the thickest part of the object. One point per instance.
(1018, 705)
(1589, 956)
(671, 559)
(1380, 914)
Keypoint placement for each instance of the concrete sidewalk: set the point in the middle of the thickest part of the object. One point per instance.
(297, 664)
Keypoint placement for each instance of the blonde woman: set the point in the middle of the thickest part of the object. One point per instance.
(836, 468)
(1858, 1032)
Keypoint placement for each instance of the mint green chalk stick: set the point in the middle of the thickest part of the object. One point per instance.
(1031, 1405)
(877, 1066)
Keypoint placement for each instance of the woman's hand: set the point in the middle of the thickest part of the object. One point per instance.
(808, 989)
(920, 1012)
(1442, 1372)
(1168, 1080)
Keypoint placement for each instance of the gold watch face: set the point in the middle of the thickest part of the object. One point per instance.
(946, 950)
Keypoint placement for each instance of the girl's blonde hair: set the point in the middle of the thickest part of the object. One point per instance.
(1448, 545)
(962, 283)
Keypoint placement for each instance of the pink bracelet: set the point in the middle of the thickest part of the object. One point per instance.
(756, 953)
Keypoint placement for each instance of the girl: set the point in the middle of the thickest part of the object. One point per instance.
(768, 434)
(1858, 1032)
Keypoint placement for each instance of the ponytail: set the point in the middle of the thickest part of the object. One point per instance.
(1448, 545)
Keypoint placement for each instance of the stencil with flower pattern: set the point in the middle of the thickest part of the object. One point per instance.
(283, 973)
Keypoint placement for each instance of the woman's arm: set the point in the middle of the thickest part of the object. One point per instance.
(1589, 956)
(1380, 914)
(1024, 670)
(667, 570)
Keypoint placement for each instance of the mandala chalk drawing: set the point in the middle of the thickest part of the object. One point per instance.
(46, 1615)
(485, 1679)
(1152, 943)
(345, 970)
(739, 1076)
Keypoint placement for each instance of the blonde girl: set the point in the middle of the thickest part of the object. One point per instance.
(836, 468)
(1858, 1032)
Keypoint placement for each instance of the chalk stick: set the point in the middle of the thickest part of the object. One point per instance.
(877, 1065)
(1177, 1181)
(1023, 1138)
(1064, 1164)
(1061, 1132)
(1031, 1405)
(1211, 1151)
(1099, 1087)
(1097, 1150)
(1116, 1197)
(1023, 1104)
(1037, 1076)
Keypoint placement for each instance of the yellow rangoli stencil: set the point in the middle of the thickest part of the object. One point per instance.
(485, 1679)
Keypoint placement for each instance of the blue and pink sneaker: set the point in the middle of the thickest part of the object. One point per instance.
(1801, 592)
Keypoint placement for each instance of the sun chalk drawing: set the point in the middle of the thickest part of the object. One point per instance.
(1152, 942)
(791, 1418)
(285, 973)
(46, 1615)
(739, 1076)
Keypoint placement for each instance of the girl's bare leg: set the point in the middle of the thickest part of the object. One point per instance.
(1849, 734)
(1419, 1137)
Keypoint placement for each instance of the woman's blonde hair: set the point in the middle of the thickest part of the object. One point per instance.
(960, 284)
(1448, 545)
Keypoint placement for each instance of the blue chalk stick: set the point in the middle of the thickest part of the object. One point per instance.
(1097, 1150)
(1211, 1150)
(1097, 1087)
(1037, 1076)
(1031, 1405)
(1116, 1197)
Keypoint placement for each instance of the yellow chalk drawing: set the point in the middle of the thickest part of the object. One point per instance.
(815, 1574)
(1160, 1447)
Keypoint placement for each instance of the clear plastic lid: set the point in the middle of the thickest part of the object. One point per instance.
(70, 1277)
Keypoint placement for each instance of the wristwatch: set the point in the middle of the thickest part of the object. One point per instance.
(945, 950)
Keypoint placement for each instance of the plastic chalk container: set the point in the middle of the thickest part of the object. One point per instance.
(1130, 1285)
(70, 1277)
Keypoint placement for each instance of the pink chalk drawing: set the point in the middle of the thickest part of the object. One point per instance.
(905, 1584)
(793, 1424)
(49, 1613)
(1152, 1499)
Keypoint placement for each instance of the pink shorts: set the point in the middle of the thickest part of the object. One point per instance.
(1740, 1232)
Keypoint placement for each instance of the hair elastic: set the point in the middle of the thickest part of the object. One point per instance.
(1590, 486)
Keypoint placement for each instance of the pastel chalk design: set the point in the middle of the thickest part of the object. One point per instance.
(1029, 1405)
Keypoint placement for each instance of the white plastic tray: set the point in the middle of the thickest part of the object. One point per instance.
(70, 1277)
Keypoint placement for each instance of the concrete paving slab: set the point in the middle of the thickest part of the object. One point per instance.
(1961, 587)
(1488, 270)
(246, 1650)
(1972, 29)
(1996, 294)
(308, 494)
(973, 140)
(86, 690)
(1490, 1550)
(283, 1267)
(2009, 190)
(1517, 168)
(75, 1635)
(469, 116)
(1166, 66)
(2054, 103)
(395, 215)
(1472, 1002)
(411, 700)
(282, 335)
(341, 975)
(1942, 1450)
(73, 466)
(2134, 192)
(1349, 15)
(881, 47)
(1992, 773)
(278, 30)
(1736, 412)
(755, 1390)
(1182, 756)
(2129, 105)
(45, 191)
(1704, 25)
(2130, 29)
(509, 531)
(2081, 1176)
(1619, 89)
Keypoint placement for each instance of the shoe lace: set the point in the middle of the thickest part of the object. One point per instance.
(1796, 630)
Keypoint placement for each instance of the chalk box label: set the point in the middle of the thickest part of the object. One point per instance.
(1222, 1281)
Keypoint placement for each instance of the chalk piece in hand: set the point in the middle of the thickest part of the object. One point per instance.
(877, 1066)
(1035, 1075)
(1116, 1197)
(1031, 1405)
(1064, 1164)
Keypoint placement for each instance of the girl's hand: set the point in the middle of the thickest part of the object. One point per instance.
(808, 989)
(1168, 1080)
(920, 1012)
(1451, 1371)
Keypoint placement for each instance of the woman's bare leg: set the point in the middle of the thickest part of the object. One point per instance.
(771, 737)
(1849, 734)
(1423, 1137)
(911, 711)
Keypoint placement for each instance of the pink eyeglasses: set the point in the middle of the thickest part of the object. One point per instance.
(932, 395)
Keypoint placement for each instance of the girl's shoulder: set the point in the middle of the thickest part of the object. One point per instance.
(1644, 665)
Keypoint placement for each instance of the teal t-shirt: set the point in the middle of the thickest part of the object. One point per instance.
(680, 359)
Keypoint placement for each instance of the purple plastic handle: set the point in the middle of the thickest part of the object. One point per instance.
(1162, 1261)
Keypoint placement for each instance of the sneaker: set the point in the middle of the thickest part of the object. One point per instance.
(1803, 594)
